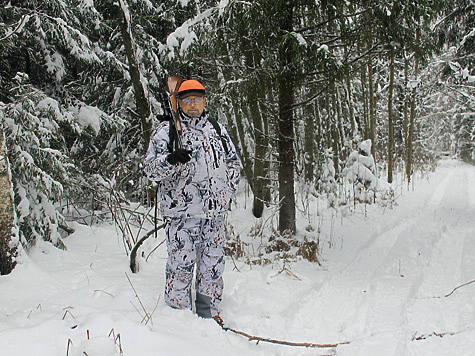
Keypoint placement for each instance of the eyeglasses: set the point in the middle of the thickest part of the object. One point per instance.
(188, 101)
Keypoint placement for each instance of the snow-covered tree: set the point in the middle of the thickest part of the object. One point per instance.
(75, 72)
(42, 173)
(327, 182)
(360, 172)
(8, 235)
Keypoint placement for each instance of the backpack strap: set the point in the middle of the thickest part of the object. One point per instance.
(217, 128)
(172, 137)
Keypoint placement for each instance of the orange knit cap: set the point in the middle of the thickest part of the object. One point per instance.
(191, 87)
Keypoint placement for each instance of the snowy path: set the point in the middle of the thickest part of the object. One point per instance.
(384, 286)
(387, 292)
(388, 295)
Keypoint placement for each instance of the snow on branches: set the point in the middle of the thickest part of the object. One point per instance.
(360, 171)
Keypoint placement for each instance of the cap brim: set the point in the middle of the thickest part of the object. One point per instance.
(188, 93)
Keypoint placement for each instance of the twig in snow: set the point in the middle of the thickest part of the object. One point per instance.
(103, 291)
(160, 244)
(289, 272)
(235, 267)
(282, 342)
(148, 316)
(426, 336)
(463, 285)
(70, 342)
(112, 332)
(66, 312)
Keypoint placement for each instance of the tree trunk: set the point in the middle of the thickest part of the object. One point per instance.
(365, 97)
(372, 109)
(390, 119)
(141, 101)
(260, 151)
(349, 101)
(286, 83)
(411, 121)
(410, 134)
(245, 156)
(310, 139)
(266, 163)
(334, 134)
(7, 250)
(286, 158)
(319, 131)
(237, 130)
(342, 139)
(406, 102)
(254, 95)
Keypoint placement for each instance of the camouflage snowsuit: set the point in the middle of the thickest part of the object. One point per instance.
(194, 197)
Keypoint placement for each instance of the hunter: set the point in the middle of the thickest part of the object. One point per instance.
(196, 184)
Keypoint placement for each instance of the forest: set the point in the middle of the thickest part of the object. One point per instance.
(320, 97)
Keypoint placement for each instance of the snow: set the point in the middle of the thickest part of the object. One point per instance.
(323, 48)
(90, 116)
(54, 64)
(411, 84)
(299, 38)
(388, 284)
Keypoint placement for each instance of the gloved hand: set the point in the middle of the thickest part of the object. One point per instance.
(164, 117)
(180, 155)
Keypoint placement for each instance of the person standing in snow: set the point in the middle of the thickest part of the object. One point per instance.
(196, 184)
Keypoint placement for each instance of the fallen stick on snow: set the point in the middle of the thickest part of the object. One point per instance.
(282, 342)
(426, 336)
(463, 285)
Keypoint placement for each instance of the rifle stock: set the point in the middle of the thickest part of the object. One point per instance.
(173, 83)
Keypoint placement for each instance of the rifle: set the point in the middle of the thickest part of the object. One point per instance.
(173, 83)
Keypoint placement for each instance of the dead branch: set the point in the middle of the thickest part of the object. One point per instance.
(66, 228)
(70, 342)
(117, 340)
(426, 336)
(282, 342)
(103, 291)
(120, 218)
(235, 267)
(160, 244)
(66, 312)
(463, 285)
(133, 253)
(288, 272)
(148, 316)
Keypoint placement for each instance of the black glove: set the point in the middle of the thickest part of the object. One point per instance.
(165, 117)
(180, 155)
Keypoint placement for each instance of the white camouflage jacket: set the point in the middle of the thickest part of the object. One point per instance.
(202, 187)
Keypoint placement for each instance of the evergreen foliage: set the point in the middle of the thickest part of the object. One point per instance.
(297, 84)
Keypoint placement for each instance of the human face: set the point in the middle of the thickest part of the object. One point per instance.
(191, 107)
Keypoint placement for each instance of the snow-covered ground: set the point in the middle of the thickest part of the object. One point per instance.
(388, 284)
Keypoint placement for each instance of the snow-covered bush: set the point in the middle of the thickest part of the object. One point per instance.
(360, 172)
(327, 182)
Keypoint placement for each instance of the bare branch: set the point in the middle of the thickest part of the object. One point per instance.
(282, 342)
(463, 285)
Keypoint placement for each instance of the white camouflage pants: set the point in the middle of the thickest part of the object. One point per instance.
(195, 241)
